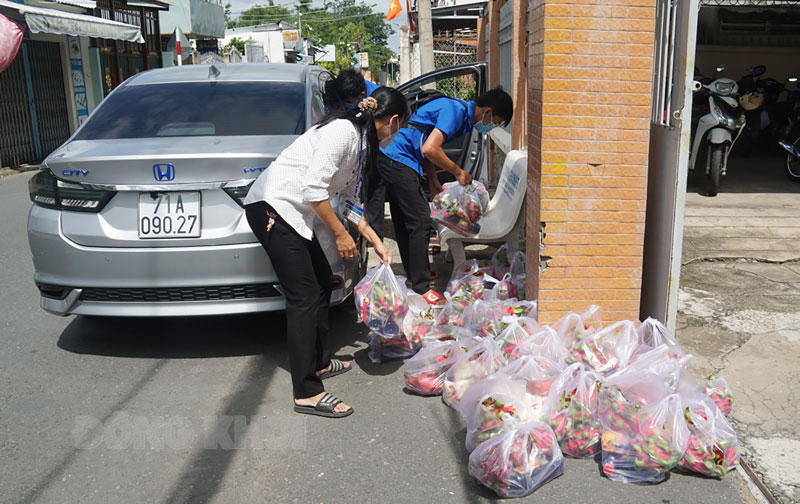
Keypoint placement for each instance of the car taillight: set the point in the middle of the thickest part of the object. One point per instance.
(48, 191)
(238, 193)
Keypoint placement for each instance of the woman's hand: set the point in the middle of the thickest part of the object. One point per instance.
(346, 245)
(383, 253)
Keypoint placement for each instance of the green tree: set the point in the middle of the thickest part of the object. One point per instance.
(237, 43)
(228, 18)
(263, 14)
(352, 28)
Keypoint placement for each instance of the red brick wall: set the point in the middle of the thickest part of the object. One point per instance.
(589, 89)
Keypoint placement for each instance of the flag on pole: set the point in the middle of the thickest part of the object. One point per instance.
(394, 10)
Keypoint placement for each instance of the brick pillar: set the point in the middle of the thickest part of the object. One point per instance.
(589, 88)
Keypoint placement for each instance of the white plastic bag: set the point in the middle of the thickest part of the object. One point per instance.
(381, 301)
(461, 208)
(653, 334)
(483, 405)
(522, 458)
(713, 448)
(482, 359)
(544, 342)
(657, 444)
(453, 311)
(511, 337)
(419, 319)
(424, 372)
(538, 375)
(573, 327)
(607, 350)
(572, 411)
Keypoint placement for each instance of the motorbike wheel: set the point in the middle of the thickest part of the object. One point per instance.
(793, 168)
(712, 178)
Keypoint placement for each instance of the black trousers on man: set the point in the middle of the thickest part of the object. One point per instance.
(411, 215)
(306, 281)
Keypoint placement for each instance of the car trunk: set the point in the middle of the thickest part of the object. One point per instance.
(171, 166)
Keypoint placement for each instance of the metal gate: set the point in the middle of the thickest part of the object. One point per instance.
(33, 106)
(49, 96)
(670, 131)
(16, 131)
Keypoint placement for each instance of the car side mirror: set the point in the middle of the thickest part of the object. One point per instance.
(759, 70)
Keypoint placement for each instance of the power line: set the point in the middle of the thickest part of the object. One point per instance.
(319, 19)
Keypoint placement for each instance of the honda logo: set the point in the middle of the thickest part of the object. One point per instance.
(164, 172)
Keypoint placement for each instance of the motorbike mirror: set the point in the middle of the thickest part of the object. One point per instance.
(758, 70)
(720, 67)
(697, 86)
(792, 78)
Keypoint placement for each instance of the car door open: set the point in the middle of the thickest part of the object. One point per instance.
(465, 82)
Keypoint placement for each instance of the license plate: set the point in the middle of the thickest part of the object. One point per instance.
(169, 215)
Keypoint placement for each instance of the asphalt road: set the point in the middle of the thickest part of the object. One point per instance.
(198, 410)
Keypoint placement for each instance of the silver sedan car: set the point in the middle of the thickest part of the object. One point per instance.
(140, 212)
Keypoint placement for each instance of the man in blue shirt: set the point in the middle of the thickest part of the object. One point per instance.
(416, 152)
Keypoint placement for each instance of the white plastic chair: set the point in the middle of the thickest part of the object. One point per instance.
(502, 221)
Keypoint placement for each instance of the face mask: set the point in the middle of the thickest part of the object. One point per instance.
(350, 106)
(386, 142)
(484, 128)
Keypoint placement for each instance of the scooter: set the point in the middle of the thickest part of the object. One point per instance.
(716, 128)
(790, 139)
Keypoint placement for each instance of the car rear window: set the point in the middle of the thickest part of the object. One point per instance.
(199, 109)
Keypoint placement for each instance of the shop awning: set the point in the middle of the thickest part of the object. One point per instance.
(41, 20)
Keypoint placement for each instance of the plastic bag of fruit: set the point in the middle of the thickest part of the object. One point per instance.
(460, 207)
(607, 350)
(424, 372)
(573, 327)
(483, 358)
(572, 411)
(381, 301)
(537, 373)
(713, 448)
(655, 445)
(522, 458)
(545, 342)
(483, 405)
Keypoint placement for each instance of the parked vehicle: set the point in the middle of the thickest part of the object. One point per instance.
(140, 212)
(716, 129)
(790, 133)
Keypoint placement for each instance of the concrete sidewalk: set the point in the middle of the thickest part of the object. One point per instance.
(738, 309)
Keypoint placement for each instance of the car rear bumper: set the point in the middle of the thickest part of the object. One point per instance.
(146, 282)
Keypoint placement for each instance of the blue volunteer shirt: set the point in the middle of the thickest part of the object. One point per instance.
(371, 86)
(448, 115)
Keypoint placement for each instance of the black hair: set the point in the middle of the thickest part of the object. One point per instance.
(500, 102)
(390, 102)
(348, 84)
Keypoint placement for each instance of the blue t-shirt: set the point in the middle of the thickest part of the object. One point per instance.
(448, 115)
(371, 86)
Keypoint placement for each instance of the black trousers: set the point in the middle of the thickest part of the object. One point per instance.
(411, 216)
(306, 281)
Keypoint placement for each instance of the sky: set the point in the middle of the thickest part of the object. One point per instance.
(382, 6)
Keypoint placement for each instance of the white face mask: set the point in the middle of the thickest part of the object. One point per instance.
(386, 142)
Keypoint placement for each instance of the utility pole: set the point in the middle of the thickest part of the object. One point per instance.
(425, 28)
(405, 55)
